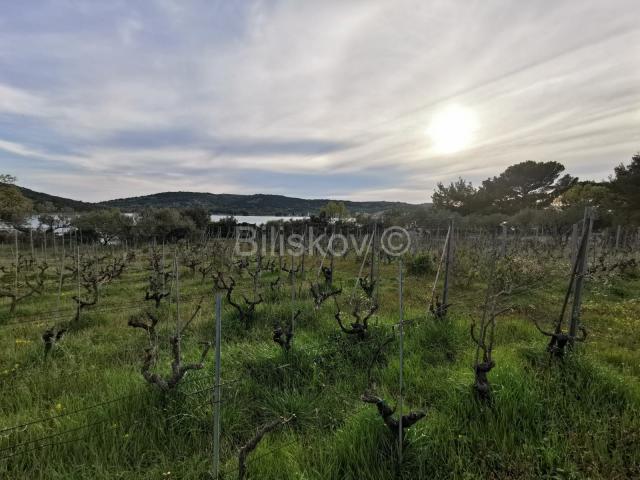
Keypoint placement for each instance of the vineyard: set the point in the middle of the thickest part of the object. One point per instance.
(474, 354)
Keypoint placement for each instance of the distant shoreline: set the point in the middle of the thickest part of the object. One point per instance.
(256, 219)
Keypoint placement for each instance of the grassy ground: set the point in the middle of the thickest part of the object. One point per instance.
(579, 418)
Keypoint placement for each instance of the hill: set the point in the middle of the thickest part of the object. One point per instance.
(47, 203)
(258, 204)
(222, 203)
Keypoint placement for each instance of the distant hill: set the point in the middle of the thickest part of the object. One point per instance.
(46, 202)
(222, 203)
(258, 204)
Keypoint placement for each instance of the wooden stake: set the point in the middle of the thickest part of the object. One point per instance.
(373, 256)
(574, 242)
(447, 266)
(331, 264)
(582, 270)
(504, 238)
(164, 281)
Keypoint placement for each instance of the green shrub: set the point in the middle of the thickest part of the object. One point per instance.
(421, 264)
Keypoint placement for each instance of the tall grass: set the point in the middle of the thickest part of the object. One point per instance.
(579, 418)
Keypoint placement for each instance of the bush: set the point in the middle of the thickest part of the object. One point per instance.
(421, 264)
(514, 271)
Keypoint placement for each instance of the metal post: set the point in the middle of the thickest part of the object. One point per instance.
(401, 379)
(176, 273)
(17, 266)
(62, 259)
(618, 232)
(78, 275)
(217, 390)
(293, 294)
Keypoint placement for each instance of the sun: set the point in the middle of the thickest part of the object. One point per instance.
(452, 129)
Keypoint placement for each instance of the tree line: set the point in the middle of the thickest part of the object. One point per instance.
(529, 193)
(531, 186)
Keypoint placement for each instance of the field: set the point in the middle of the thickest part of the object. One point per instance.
(84, 410)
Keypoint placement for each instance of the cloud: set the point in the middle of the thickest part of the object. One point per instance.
(207, 95)
(14, 100)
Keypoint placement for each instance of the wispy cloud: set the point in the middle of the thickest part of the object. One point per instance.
(291, 96)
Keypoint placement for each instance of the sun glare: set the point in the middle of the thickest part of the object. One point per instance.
(452, 129)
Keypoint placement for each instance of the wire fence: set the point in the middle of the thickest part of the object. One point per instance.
(46, 441)
(135, 305)
(21, 448)
(58, 314)
(6, 430)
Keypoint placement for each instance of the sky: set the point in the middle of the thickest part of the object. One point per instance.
(358, 100)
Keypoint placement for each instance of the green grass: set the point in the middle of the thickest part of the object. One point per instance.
(578, 418)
